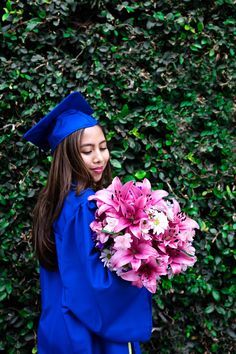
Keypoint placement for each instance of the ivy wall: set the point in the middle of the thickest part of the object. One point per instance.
(161, 78)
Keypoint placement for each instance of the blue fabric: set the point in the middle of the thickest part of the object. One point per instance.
(71, 114)
(87, 309)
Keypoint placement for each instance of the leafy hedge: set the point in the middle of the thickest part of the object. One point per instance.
(161, 77)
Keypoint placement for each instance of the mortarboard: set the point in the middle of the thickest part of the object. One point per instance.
(71, 114)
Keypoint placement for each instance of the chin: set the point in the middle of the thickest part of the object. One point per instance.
(97, 178)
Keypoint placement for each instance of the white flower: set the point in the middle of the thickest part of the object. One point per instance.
(111, 224)
(105, 257)
(159, 222)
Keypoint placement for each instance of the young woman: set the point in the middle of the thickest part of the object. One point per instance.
(86, 309)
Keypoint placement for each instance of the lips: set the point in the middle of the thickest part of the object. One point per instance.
(98, 170)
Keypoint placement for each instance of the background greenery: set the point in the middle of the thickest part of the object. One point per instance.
(161, 77)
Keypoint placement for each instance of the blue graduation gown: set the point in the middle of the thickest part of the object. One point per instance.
(86, 309)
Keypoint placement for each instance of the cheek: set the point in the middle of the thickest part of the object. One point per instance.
(107, 156)
(86, 160)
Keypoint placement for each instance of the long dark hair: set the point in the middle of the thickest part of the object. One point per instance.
(67, 167)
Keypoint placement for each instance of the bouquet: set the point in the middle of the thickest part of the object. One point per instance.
(141, 235)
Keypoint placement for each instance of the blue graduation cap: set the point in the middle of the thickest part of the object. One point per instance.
(71, 114)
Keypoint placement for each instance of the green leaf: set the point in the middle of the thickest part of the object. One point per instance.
(140, 174)
(42, 14)
(153, 169)
(31, 24)
(8, 5)
(159, 15)
(159, 302)
(3, 296)
(8, 288)
(3, 200)
(181, 59)
(128, 178)
(30, 324)
(3, 224)
(220, 310)
(216, 295)
(214, 348)
(117, 153)
(211, 53)
(5, 17)
(124, 110)
(210, 308)
(180, 20)
(230, 194)
(115, 163)
(200, 26)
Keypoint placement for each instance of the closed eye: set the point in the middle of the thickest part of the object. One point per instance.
(89, 152)
(86, 152)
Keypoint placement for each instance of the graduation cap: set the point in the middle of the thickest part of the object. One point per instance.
(71, 114)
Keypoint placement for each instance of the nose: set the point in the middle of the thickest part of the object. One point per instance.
(97, 156)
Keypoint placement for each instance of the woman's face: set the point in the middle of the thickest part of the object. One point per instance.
(94, 151)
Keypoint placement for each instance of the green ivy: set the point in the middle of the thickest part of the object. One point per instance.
(161, 78)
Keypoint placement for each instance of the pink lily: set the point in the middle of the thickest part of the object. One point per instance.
(179, 259)
(146, 275)
(183, 221)
(140, 250)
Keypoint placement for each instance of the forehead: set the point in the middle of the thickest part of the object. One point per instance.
(92, 135)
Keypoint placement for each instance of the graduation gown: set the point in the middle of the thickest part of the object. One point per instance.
(87, 309)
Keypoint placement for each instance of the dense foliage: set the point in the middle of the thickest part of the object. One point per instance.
(161, 77)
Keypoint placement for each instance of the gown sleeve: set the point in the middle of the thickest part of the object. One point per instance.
(93, 295)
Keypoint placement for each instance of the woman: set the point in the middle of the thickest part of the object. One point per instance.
(86, 309)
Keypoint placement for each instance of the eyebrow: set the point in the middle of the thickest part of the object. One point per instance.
(104, 141)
